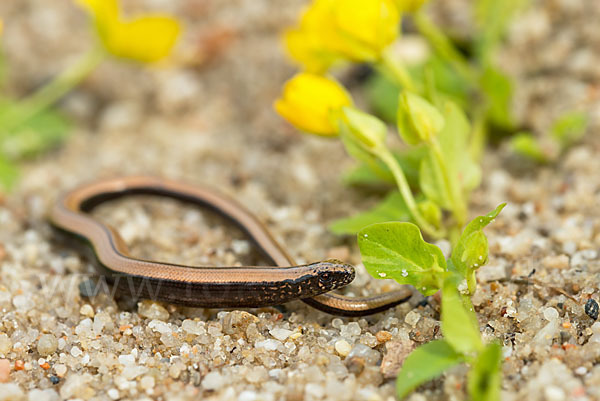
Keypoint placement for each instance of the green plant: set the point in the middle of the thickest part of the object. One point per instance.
(29, 126)
(467, 73)
(565, 131)
(397, 250)
(431, 177)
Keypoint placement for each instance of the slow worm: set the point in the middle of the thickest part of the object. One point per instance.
(210, 287)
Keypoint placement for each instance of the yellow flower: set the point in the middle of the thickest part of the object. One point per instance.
(356, 30)
(147, 38)
(306, 48)
(310, 102)
(364, 28)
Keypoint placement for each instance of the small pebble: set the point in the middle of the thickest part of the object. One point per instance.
(76, 352)
(369, 355)
(127, 359)
(23, 302)
(314, 390)
(47, 344)
(113, 394)
(87, 310)
(591, 309)
(269, 344)
(5, 344)
(257, 374)
(556, 262)
(4, 370)
(147, 382)
(234, 323)
(350, 330)
(412, 318)
(60, 369)
(554, 393)
(213, 381)
(280, 334)
(342, 347)
(193, 327)
(396, 353)
(383, 336)
(152, 310)
(247, 396)
(10, 391)
(550, 314)
(174, 371)
(43, 395)
(54, 379)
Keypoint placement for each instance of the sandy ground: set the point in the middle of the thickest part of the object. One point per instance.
(208, 119)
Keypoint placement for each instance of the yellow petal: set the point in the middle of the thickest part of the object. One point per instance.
(307, 50)
(146, 39)
(356, 30)
(366, 28)
(308, 102)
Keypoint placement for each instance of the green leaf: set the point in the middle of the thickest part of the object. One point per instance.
(454, 140)
(459, 322)
(498, 89)
(569, 128)
(463, 172)
(9, 174)
(426, 363)
(397, 250)
(362, 175)
(392, 208)
(475, 254)
(431, 212)
(449, 85)
(471, 250)
(431, 179)
(418, 120)
(409, 160)
(485, 377)
(42, 131)
(526, 145)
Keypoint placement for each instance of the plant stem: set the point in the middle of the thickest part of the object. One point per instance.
(440, 42)
(55, 89)
(398, 70)
(390, 161)
(459, 209)
(479, 134)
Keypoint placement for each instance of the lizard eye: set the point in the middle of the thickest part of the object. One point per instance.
(326, 278)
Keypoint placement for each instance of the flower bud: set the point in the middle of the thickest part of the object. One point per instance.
(418, 120)
(367, 130)
(309, 102)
